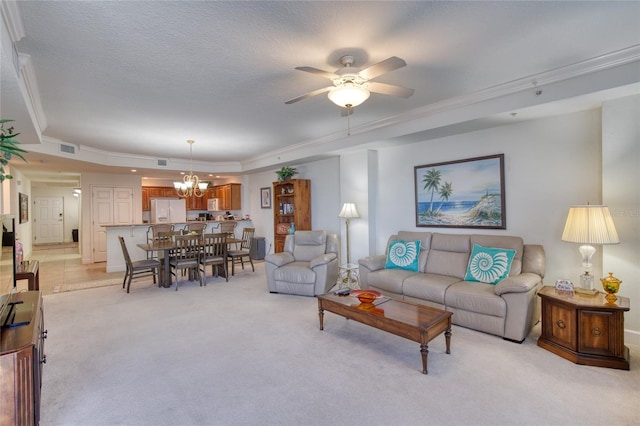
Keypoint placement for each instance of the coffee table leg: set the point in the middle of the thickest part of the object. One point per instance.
(447, 339)
(321, 315)
(424, 352)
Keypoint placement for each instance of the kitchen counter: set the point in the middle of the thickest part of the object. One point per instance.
(135, 234)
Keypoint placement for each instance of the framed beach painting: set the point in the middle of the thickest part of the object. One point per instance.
(265, 198)
(23, 207)
(461, 194)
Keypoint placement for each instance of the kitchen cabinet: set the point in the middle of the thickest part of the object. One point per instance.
(229, 196)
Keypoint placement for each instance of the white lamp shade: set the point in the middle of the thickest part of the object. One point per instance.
(590, 225)
(203, 185)
(349, 211)
(348, 94)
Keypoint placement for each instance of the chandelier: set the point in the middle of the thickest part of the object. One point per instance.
(190, 185)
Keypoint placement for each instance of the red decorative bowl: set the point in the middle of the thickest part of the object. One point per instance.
(366, 296)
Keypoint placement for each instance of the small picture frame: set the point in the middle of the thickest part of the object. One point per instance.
(564, 285)
(265, 198)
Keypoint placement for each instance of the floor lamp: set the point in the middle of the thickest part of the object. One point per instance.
(348, 212)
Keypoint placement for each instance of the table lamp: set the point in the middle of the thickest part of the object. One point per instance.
(589, 225)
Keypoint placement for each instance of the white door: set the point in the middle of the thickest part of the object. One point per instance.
(48, 220)
(109, 206)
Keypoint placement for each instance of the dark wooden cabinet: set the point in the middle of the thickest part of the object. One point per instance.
(292, 204)
(21, 359)
(584, 329)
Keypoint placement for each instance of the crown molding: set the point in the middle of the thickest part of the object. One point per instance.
(28, 77)
(12, 18)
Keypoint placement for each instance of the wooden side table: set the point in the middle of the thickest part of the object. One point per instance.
(349, 276)
(584, 329)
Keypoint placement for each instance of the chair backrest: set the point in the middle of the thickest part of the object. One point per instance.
(228, 227)
(247, 237)
(125, 252)
(187, 247)
(154, 230)
(197, 227)
(167, 235)
(215, 245)
(305, 245)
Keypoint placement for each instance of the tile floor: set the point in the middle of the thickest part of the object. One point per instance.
(61, 269)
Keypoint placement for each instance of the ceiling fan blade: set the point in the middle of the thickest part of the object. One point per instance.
(310, 94)
(322, 73)
(375, 70)
(388, 89)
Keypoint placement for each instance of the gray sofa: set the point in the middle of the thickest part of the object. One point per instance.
(508, 309)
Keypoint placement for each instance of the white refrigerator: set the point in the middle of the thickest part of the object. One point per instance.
(168, 210)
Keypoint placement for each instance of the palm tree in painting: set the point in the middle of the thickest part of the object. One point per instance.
(445, 192)
(431, 181)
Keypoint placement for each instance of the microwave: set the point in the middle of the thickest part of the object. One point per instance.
(212, 204)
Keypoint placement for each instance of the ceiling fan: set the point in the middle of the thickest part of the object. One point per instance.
(352, 86)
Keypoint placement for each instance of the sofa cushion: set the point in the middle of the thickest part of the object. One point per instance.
(475, 297)
(427, 286)
(309, 244)
(389, 279)
(449, 255)
(295, 272)
(403, 255)
(489, 265)
(506, 242)
(425, 244)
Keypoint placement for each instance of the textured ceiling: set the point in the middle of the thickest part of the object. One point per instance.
(140, 77)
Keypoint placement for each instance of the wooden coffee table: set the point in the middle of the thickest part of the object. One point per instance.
(414, 322)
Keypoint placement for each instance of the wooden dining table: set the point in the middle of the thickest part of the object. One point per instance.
(165, 246)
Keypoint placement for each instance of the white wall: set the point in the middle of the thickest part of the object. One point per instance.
(621, 192)
(550, 164)
(325, 197)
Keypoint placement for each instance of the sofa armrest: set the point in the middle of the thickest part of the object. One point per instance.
(323, 259)
(519, 284)
(279, 259)
(373, 263)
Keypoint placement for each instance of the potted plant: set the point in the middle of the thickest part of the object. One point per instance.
(286, 173)
(8, 147)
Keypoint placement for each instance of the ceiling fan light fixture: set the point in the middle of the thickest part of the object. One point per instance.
(350, 94)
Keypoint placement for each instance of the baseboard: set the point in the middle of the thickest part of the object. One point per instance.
(632, 337)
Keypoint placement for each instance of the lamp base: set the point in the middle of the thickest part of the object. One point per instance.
(586, 284)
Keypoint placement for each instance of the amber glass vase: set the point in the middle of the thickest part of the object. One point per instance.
(611, 285)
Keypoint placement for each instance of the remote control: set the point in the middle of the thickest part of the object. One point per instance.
(343, 291)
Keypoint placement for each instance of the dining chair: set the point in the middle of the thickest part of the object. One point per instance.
(228, 227)
(137, 269)
(186, 256)
(197, 227)
(152, 234)
(239, 255)
(214, 253)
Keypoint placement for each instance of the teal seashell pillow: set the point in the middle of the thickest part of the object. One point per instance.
(403, 255)
(489, 265)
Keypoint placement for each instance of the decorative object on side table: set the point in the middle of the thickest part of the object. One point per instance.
(286, 173)
(589, 225)
(611, 285)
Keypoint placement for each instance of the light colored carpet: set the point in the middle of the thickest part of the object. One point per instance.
(234, 354)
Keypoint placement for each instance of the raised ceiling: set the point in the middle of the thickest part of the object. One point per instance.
(127, 83)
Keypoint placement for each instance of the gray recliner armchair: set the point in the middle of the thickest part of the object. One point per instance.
(308, 265)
